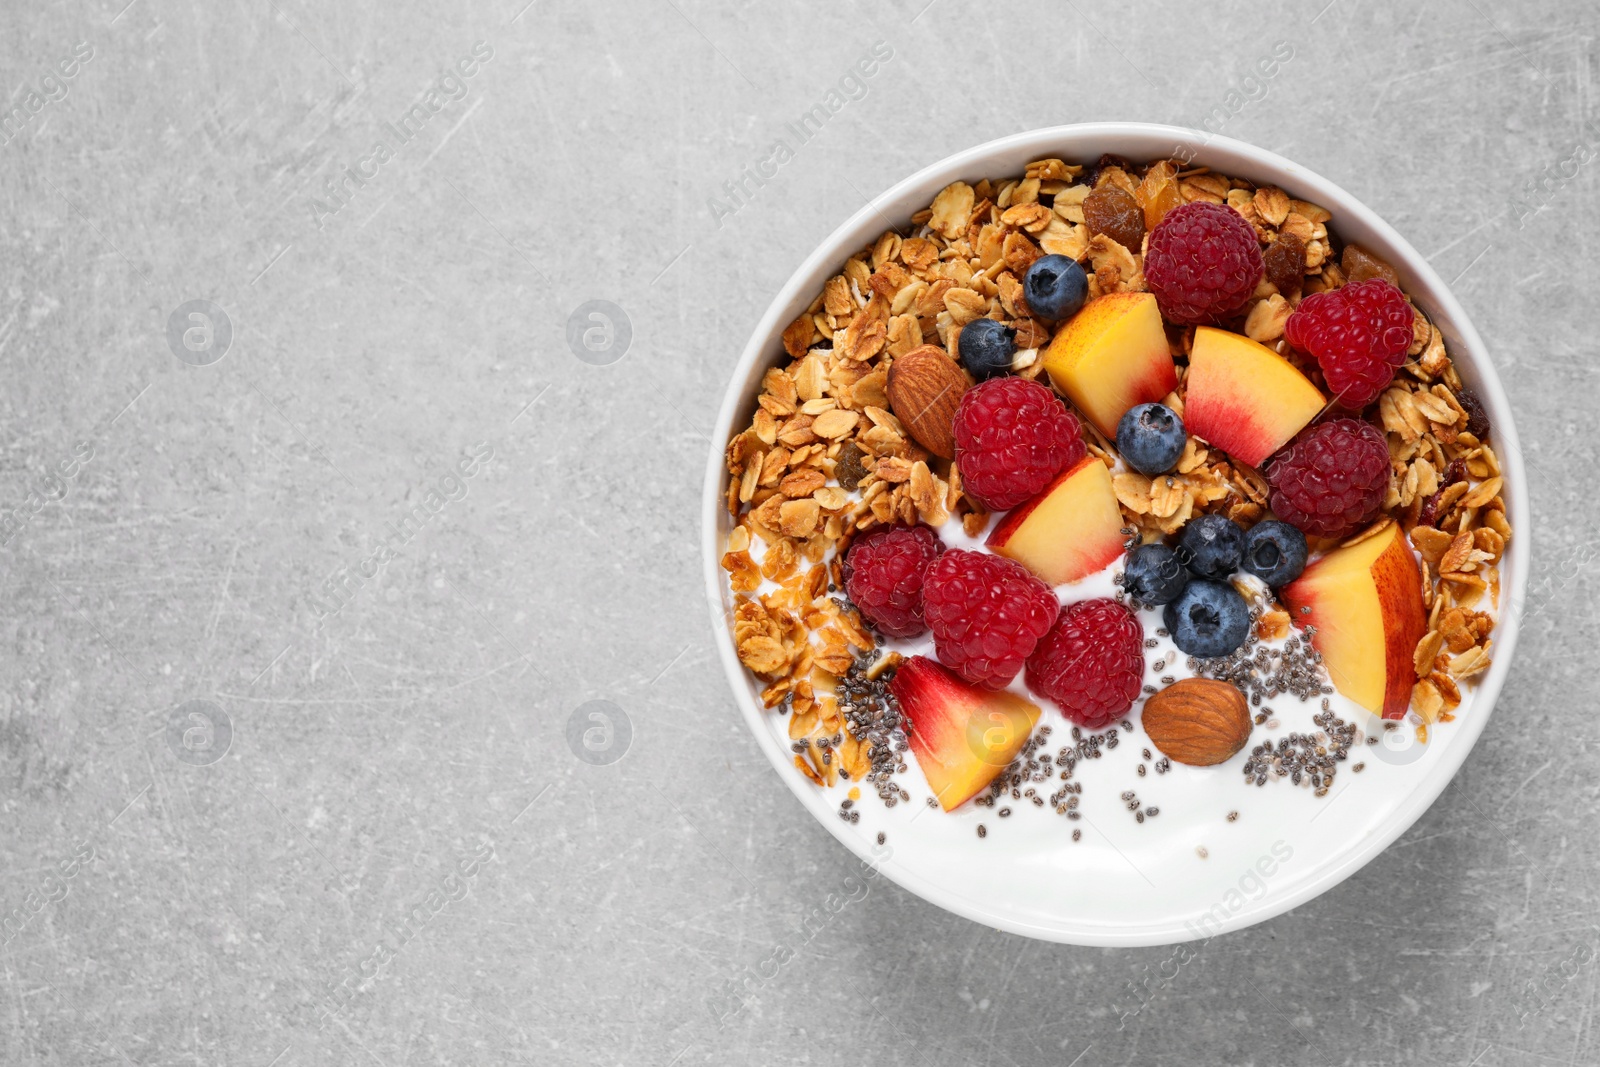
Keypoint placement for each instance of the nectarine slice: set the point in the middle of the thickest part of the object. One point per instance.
(1111, 356)
(1243, 397)
(1365, 601)
(1072, 529)
(963, 735)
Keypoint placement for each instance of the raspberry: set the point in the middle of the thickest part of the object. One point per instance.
(1331, 480)
(1203, 262)
(883, 576)
(1091, 663)
(986, 613)
(1359, 335)
(1013, 436)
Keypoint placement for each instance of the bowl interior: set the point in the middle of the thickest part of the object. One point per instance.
(1182, 905)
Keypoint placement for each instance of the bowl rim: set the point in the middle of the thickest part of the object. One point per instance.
(1207, 148)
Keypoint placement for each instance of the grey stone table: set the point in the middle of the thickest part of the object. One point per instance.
(303, 584)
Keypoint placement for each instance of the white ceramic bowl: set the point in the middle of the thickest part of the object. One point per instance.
(1137, 887)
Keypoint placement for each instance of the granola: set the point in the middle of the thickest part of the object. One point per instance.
(826, 457)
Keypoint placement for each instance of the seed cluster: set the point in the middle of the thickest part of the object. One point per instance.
(1304, 759)
(1032, 765)
(1130, 800)
(1267, 672)
(874, 718)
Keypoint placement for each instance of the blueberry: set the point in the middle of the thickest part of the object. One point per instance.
(1211, 546)
(1275, 552)
(1055, 287)
(1151, 438)
(986, 347)
(1154, 575)
(1210, 619)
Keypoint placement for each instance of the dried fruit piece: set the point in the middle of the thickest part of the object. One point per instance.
(849, 468)
(1285, 261)
(1111, 211)
(1477, 418)
(1359, 265)
(1198, 721)
(1159, 193)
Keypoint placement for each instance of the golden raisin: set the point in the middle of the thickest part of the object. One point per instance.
(1111, 211)
(1158, 193)
(1285, 261)
(1360, 265)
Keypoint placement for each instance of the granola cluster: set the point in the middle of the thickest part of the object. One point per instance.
(825, 457)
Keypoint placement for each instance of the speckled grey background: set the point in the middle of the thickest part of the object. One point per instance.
(390, 831)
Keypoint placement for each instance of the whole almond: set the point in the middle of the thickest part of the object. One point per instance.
(1198, 721)
(925, 385)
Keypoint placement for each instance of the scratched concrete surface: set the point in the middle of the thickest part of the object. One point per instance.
(286, 762)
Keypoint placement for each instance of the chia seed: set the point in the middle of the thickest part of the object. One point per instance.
(874, 718)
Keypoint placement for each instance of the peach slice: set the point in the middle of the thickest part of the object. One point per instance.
(1070, 530)
(1365, 601)
(1243, 397)
(963, 735)
(1111, 356)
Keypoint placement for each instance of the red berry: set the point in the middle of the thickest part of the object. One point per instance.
(1091, 663)
(1359, 335)
(1012, 437)
(883, 576)
(1332, 479)
(986, 613)
(1203, 262)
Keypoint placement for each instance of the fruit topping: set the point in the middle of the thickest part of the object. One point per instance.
(1358, 334)
(1243, 397)
(1198, 721)
(1091, 663)
(1477, 418)
(1211, 546)
(1203, 262)
(1072, 529)
(1111, 211)
(1365, 602)
(1154, 575)
(1151, 438)
(883, 576)
(1209, 619)
(986, 612)
(1159, 193)
(1359, 265)
(1332, 480)
(986, 348)
(1275, 552)
(963, 736)
(1012, 436)
(1111, 356)
(849, 466)
(1055, 287)
(1285, 262)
